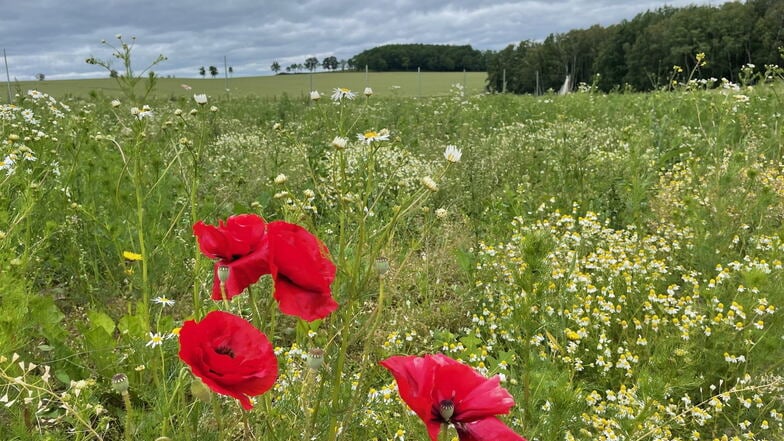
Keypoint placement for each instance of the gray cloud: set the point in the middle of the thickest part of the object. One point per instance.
(54, 37)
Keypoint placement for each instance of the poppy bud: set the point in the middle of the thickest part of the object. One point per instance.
(315, 359)
(200, 391)
(382, 265)
(120, 383)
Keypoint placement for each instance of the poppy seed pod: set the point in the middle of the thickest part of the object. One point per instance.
(120, 383)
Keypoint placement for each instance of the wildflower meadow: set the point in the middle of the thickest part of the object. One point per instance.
(344, 266)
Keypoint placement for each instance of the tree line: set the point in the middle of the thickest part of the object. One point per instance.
(399, 57)
(642, 53)
(431, 57)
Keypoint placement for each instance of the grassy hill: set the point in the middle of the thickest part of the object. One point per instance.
(383, 84)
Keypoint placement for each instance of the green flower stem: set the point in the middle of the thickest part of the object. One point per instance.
(127, 431)
(254, 304)
(137, 184)
(224, 295)
(443, 435)
(194, 189)
(217, 411)
(374, 321)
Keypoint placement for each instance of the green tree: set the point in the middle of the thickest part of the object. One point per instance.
(275, 67)
(213, 71)
(311, 63)
(202, 71)
(330, 63)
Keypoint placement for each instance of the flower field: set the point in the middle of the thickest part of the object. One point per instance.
(355, 267)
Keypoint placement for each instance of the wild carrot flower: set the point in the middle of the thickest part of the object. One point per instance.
(314, 95)
(368, 91)
(200, 98)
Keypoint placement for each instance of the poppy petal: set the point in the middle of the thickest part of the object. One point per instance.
(487, 429)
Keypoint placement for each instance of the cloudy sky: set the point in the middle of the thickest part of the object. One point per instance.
(54, 37)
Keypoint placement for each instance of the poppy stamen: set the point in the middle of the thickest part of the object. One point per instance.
(224, 350)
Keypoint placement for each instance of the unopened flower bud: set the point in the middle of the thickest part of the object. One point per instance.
(430, 184)
(200, 391)
(120, 383)
(382, 265)
(315, 359)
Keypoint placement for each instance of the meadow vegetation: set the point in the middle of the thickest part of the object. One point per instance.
(615, 258)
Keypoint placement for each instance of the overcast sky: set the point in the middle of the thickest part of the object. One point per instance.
(54, 37)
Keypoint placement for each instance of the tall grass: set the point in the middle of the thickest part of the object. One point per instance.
(615, 258)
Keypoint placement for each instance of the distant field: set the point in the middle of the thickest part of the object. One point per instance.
(383, 84)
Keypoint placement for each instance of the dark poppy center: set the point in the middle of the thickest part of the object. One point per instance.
(224, 350)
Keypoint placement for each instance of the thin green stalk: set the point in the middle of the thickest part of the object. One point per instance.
(140, 232)
(366, 349)
(194, 217)
(127, 431)
(443, 435)
(217, 410)
(255, 306)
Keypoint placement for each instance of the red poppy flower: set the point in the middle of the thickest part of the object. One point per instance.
(229, 355)
(238, 244)
(443, 391)
(301, 270)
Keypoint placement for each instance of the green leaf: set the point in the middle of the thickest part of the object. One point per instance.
(101, 320)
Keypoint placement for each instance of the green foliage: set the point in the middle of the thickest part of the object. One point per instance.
(429, 57)
(641, 52)
(616, 258)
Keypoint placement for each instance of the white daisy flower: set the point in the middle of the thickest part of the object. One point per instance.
(452, 154)
(342, 92)
(371, 136)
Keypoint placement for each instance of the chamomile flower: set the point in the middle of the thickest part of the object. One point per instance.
(452, 154)
(156, 339)
(163, 300)
(371, 136)
(339, 143)
(341, 92)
